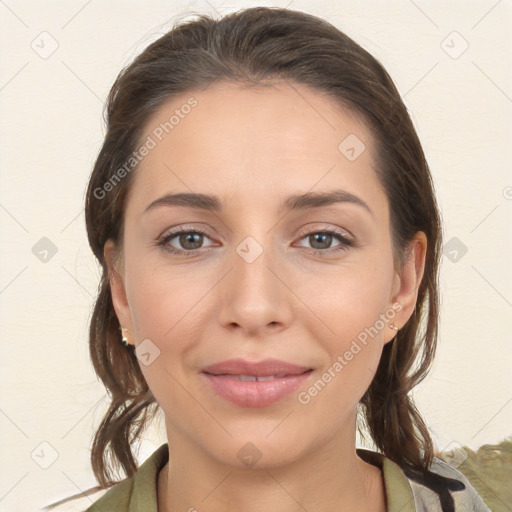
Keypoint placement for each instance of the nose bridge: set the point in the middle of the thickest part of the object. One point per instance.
(255, 244)
(253, 297)
(251, 273)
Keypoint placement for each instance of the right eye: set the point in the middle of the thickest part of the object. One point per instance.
(190, 241)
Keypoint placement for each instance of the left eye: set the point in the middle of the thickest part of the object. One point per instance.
(323, 240)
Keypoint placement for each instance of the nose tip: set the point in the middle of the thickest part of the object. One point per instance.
(252, 294)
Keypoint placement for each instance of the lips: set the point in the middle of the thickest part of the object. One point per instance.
(253, 378)
(266, 368)
(255, 384)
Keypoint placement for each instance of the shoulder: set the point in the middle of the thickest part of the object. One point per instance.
(74, 504)
(444, 488)
(117, 495)
(139, 487)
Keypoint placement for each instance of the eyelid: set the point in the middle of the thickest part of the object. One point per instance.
(175, 230)
(325, 227)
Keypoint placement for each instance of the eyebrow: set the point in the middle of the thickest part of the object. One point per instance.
(295, 202)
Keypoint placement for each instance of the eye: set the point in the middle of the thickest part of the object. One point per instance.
(190, 240)
(321, 241)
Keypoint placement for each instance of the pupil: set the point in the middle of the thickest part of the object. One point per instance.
(184, 239)
(327, 239)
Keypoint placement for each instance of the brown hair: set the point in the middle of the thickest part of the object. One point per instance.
(250, 46)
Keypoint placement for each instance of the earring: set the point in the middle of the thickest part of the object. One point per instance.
(393, 326)
(124, 336)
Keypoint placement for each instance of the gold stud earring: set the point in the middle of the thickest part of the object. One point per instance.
(393, 326)
(124, 336)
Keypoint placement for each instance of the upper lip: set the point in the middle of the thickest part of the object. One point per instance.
(263, 368)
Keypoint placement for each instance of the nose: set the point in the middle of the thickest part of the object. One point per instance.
(254, 295)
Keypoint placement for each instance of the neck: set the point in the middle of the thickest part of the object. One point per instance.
(329, 478)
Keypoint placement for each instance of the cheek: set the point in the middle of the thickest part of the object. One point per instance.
(350, 326)
(163, 300)
(165, 309)
(350, 299)
(351, 336)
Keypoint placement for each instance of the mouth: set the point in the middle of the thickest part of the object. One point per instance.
(265, 368)
(253, 378)
(249, 384)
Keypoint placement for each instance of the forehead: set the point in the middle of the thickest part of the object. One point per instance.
(236, 140)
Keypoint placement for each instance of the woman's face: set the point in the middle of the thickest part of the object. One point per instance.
(256, 279)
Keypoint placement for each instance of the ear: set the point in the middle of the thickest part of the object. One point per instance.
(407, 281)
(117, 287)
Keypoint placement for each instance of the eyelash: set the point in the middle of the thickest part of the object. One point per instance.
(345, 242)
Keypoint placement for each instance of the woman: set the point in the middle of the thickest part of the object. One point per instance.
(269, 236)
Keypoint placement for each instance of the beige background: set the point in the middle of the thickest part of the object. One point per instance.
(51, 130)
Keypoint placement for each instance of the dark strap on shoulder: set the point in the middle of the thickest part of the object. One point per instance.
(441, 485)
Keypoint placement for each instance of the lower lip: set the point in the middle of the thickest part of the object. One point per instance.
(254, 393)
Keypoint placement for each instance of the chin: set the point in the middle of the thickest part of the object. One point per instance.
(258, 451)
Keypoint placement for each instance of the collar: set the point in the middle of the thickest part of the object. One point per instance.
(399, 495)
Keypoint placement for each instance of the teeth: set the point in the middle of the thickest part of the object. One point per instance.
(247, 378)
(253, 378)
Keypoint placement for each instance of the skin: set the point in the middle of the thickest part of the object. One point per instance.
(253, 147)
